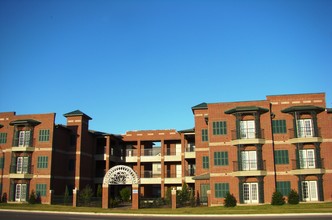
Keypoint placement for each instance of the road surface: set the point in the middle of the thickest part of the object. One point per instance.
(24, 215)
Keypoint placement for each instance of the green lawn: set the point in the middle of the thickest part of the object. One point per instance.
(259, 209)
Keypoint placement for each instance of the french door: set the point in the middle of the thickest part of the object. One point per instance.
(24, 138)
(249, 160)
(22, 165)
(178, 170)
(309, 191)
(250, 192)
(307, 158)
(20, 192)
(247, 129)
(305, 128)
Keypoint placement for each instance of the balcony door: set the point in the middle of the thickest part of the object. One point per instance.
(250, 192)
(309, 191)
(22, 164)
(247, 129)
(20, 192)
(24, 139)
(305, 128)
(249, 160)
(307, 159)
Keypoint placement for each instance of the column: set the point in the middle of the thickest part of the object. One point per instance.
(173, 198)
(105, 197)
(75, 197)
(209, 199)
(50, 197)
(135, 196)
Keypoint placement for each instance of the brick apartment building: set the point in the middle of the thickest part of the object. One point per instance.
(247, 148)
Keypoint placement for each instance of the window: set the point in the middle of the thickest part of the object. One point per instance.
(284, 187)
(205, 162)
(24, 138)
(219, 128)
(305, 128)
(279, 126)
(44, 135)
(307, 158)
(247, 129)
(281, 157)
(205, 135)
(3, 138)
(221, 189)
(2, 162)
(41, 189)
(42, 162)
(221, 158)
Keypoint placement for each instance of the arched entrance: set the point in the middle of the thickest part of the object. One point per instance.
(119, 175)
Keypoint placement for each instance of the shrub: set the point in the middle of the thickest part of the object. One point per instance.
(99, 191)
(4, 197)
(277, 198)
(125, 194)
(230, 200)
(293, 197)
(32, 197)
(114, 203)
(66, 196)
(86, 195)
(168, 196)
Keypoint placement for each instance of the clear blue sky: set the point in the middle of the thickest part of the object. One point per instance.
(141, 64)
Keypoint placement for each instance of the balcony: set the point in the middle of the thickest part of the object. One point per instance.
(21, 172)
(304, 135)
(23, 146)
(248, 136)
(131, 155)
(149, 177)
(172, 155)
(173, 177)
(307, 166)
(151, 154)
(249, 168)
(190, 153)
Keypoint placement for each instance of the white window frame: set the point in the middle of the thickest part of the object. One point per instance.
(305, 128)
(307, 159)
(24, 138)
(250, 193)
(20, 192)
(249, 160)
(247, 129)
(309, 191)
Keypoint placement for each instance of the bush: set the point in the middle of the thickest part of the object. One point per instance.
(168, 196)
(32, 197)
(277, 198)
(86, 195)
(99, 191)
(114, 203)
(293, 197)
(125, 194)
(66, 196)
(4, 197)
(230, 200)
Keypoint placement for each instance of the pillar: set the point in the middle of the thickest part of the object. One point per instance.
(209, 198)
(75, 197)
(173, 198)
(105, 197)
(50, 197)
(135, 196)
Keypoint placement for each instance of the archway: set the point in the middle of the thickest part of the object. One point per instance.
(120, 175)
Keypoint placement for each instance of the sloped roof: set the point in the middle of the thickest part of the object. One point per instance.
(205, 176)
(190, 130)
(247, 109)
(303, 108)
(77, 113)
(25, 122)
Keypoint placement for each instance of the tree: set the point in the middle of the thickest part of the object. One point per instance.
(99, 191)
(86, 195)
(277, 198)
(32, 197)
(183, 195)
(168, 196)
(125, 194)
(293, 197)
(230, 200)
(66, 196)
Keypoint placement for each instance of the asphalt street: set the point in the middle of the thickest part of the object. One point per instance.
(22, 215)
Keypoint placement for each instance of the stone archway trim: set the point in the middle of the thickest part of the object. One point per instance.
(120, 174)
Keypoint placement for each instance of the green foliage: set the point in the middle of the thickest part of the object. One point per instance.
(4, 197)
(183, 195)
(32, 197)
(230, 200)
(99, 191)
(192, 198)
(168, 196)
(125, 194)
(277, 198)
(86, 195)
(66, 196)
(293, 197)
(114, 203)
